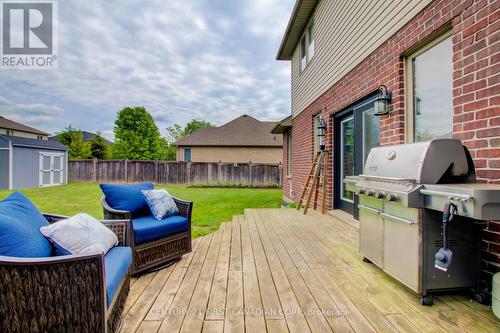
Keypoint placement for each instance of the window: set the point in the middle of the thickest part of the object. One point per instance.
(289, 153)
(303, 53)
(307, 46)
(39, 137)
(187, 154)
(430, 101)
(310, 37)
(316, 120)
(10, 132)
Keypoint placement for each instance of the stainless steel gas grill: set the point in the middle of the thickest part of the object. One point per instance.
(420, 215)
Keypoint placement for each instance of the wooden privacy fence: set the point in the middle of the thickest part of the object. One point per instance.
(170, 172)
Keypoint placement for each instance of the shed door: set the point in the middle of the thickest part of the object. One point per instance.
(51, 169)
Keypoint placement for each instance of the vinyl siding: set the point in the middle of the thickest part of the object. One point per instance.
(346, 33)
(26, 167)
(271, 155)
(22, 134)
(4, 169)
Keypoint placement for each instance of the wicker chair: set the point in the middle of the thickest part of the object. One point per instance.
(61, 293)
(160, 252)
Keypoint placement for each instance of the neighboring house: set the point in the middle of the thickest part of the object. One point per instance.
(440, 59)
(244, 139)
(87, 136)
(28, 163)
(12, 128)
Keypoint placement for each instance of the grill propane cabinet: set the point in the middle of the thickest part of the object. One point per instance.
(421, 213)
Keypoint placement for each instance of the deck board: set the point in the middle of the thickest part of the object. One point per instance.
(276, 270)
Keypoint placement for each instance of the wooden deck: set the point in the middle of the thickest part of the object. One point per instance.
(276, 270)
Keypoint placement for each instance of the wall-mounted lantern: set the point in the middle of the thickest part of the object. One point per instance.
(321, 133)
(382, 102)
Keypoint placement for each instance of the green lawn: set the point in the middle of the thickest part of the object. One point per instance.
(211, 205)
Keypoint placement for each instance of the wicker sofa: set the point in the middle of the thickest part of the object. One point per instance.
(161, 251)
(63, 293)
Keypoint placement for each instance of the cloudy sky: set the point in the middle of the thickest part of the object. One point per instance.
(204, 59)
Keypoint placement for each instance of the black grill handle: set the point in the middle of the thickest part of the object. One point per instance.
(448, 214)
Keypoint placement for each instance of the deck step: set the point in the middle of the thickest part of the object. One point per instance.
(236, 218)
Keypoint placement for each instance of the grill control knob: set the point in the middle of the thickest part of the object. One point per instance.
(379, 195)
(362, 190)
(370, 193)
(391, 197)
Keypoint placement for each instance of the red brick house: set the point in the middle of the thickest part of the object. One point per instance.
(440, 59)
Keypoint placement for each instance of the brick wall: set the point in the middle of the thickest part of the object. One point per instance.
(475, 29)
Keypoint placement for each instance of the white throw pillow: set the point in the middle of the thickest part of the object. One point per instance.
(80, 234)
(160, 203)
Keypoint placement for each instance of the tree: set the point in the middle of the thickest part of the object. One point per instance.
(99, 147)
(73, 139)
(136, 136)
(176, 132)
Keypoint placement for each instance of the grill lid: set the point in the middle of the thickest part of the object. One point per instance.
(431, 162)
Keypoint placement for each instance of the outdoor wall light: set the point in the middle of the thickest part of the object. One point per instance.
(321, 132)
(382, 102)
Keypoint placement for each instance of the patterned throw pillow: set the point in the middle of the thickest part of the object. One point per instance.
(161, 203)
(80, 234)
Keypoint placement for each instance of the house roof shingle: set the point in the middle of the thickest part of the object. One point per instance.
(282, 126)
(26, 142)
(244, 131)
(12, 125)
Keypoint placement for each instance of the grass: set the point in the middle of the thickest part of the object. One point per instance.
(212, 206)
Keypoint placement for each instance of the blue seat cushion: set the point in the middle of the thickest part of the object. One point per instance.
(147, 228)
(20, 223)
(116, 264)
(127, 197)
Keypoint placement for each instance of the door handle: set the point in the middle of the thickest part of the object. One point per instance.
(373, 210)
(397, 218)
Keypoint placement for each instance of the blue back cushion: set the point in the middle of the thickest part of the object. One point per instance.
(20, 223)
(127, 197)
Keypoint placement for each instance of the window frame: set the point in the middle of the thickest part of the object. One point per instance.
(303, 53)
(184, 154)
(408, 81)
(311, 31)
(306, 38)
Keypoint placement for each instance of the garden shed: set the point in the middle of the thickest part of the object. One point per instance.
(28, 163)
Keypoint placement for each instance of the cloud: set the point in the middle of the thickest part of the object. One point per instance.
(30, 114)
(181, 60)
